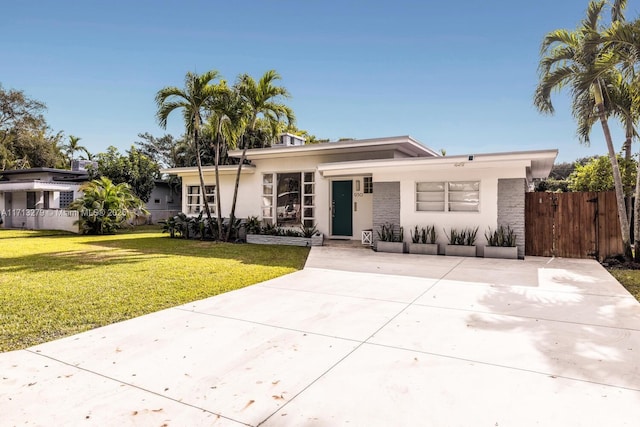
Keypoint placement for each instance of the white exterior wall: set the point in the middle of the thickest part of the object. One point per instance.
(483, 219)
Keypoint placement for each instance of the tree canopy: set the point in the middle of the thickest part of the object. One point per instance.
(26, 140)
(134, 168)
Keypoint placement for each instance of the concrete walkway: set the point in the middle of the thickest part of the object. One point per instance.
(357, 338)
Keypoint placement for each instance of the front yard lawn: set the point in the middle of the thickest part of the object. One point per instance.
(630, 279)
(55, 284)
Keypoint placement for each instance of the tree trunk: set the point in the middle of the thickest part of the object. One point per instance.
(203, 191)
(636, 220)
(232, 215)
(627, 157)
(218, 203)
(617, 179)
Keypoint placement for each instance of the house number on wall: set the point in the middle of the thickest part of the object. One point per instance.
(358, 194)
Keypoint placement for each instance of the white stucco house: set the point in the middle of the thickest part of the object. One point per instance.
(37, 198)
(351, 186)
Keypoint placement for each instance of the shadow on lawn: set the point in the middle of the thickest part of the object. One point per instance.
(265, 255)
(68, 261)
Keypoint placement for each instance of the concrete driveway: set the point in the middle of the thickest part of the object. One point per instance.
(357, 338)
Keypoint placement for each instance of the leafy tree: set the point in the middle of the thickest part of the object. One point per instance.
(263, 101)
(166, 151)
(596, 175)
(105, 206)
(25, 139)
(569, 59)
(193, 99)
(134, 168)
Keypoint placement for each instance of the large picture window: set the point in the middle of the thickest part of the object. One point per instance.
(288, 199)
(195, 204)
(459, 196)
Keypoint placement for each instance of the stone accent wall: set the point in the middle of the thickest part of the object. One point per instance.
(511, 208)
(386, 205)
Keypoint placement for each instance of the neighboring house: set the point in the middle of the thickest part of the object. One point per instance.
(37, 198)
(164, 202)
(352, 186)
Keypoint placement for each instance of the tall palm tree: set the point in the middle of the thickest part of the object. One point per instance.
(263, 101)
(569, 59)
(72, 147)
(197, 93)
(226, 124)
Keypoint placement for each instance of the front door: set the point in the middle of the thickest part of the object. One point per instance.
(341, 211)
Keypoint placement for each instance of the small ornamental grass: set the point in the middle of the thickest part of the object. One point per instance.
(54, 284)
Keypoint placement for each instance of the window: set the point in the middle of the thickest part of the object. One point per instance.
(156, 201)
(368, 185)
(308, 206)
(66, 197)
(293, 197)
(46, 196)
(460, 196)
(31, 200)
(194, 202)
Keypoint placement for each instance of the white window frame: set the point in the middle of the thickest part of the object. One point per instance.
(367, 184)
(431, 193)
(307, 191)
(194, 202)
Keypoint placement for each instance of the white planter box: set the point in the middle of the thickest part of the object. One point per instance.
(423, 248)
(507, 252)
(261, 239)
(460, 250)
(317, 240)
(393, 247)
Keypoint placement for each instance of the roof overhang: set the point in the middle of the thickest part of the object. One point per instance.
(538, 164)
(15, 186)
(222, 170)
(403, 144)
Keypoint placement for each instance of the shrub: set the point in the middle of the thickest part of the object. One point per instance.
(502, 236)
(387, 233)
(465, 237)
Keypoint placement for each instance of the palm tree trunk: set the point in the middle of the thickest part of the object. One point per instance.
(203, 191)
(218, 203)
(232, 215)
(617, 179)
(627, 157)
(636, 220)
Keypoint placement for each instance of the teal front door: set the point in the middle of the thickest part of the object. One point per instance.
(341, 211)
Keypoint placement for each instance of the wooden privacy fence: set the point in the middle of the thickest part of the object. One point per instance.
(572, 225)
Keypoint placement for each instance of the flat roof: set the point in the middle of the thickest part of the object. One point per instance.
(404, 144)
(539, 162)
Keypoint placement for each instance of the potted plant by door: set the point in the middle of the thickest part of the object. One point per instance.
(462, 243)
(390, 240)
(423, 241)
(501, 243)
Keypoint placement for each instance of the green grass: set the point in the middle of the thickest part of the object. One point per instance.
(630, 279)
(54, 284)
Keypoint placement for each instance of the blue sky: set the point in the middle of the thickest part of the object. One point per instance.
(455, 75)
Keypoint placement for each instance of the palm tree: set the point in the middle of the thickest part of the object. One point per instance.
(569, 59)
(104, 206)
(197, 93)
(73, 146)
(262, 101)
(226, 124)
